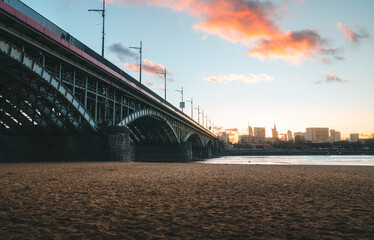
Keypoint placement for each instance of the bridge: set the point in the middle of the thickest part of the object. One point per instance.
(59, 99)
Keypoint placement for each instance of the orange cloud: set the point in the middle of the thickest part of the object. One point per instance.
(292, 46)
(149, 68)
(250, 79)
(353, 33)
(249, 22)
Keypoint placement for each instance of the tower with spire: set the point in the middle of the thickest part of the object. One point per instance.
(274, 132)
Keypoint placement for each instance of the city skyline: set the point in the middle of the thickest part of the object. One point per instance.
(294, 69)
(234, 133)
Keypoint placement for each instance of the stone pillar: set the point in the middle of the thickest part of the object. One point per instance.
(118, 146)
(164, 153)
(208, 152)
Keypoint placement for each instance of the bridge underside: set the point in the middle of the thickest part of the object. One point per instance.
(30, 105)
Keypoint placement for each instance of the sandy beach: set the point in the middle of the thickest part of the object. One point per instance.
(185, 201)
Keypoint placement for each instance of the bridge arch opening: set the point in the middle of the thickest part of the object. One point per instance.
(209, 149)
(154, 140)
(151, 130)
(196, 146)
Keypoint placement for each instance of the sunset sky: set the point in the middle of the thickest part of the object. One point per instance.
(296, 63)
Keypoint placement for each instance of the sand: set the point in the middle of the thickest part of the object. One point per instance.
(185, 201)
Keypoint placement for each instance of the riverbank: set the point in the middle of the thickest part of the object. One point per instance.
(159, 200)
(294, 152)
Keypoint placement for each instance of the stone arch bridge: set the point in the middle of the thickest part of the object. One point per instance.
(60, 99)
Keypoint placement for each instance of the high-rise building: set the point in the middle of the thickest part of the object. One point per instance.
(354, 137)
(299, 137)
(260, 132)
(332, 135)
(289, 135)
(338, 137)
(274, 132)
(250, 131)
(317, 135)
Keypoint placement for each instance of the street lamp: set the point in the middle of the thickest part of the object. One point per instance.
(191, 101)
(164, 73)
(181, 105)
(103, 15)
(198, 114)
(140, 63)
(202, 118)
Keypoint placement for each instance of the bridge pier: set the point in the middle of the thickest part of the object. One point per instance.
(164, 153)
(118, 146)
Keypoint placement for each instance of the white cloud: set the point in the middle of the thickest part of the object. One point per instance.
(250, 79)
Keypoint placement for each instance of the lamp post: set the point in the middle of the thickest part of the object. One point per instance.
(198, 114)
(103, 15)
(181, 105)
(140, 62)
(164, 73)
(191, 101)
(202, 118)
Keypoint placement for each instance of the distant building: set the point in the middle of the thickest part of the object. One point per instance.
(332, 135)
(225, 137)
(289, 135)
(338, 137)
(354, 137)
(299, 137)
(274, 132)
(250, 131)
(260, 132)
(317, 135)
(283, 137)
(244, 139)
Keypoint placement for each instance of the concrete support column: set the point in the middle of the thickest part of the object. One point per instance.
(208, 152)
(164, 153)
(118, 145)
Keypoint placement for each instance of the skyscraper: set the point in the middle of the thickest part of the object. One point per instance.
(332, 135)
(289, 135)
(274, 132)
(250, 131)
(317, 135)
(259, 132)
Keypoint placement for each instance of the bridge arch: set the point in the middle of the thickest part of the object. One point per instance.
(149, 126)
(38, 96)
(197, 144)
(209, 149)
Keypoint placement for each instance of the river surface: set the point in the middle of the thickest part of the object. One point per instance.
(357, 160)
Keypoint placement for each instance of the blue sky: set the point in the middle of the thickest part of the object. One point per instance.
(231, 84)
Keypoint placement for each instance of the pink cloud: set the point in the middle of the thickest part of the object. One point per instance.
(353, 33)
(152, 85)
(249, 22)
(329, 78)
(149, 68)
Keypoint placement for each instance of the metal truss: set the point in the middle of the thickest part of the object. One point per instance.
(46, 93)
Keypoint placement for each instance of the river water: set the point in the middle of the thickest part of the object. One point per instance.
(357, 160)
